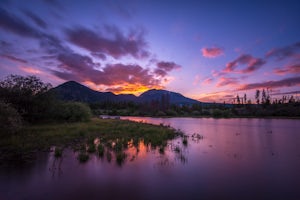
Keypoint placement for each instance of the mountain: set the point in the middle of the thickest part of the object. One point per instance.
(73, 91)
(174, 98)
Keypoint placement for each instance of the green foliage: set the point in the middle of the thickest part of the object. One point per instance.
(217, 113)
(121, 132)
(100, 150)
(28, 95)
(57, 152)
(91, 148)
(120, 158)
(10, 119)
(83, 157)
(72, 112)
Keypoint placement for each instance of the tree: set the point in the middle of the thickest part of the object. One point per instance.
(28, 95)
(10, 119)
(257, 94)
(245, 98)
(238, 99)
(263, 97)
(72, 112)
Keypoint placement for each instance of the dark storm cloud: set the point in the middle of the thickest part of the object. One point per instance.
(113, 42)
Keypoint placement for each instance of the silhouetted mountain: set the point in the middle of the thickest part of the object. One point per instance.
(73, 91)
(172, 97)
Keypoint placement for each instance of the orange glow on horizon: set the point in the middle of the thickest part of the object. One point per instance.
(135, 89)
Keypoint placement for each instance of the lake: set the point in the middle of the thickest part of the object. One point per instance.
(235, 159)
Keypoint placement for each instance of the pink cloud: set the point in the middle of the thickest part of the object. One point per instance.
(252, 64)
(30, 70)
(291, 69)
(212, 52)
(288, 82)
(207, 81)
(284, 52)
(224, 81)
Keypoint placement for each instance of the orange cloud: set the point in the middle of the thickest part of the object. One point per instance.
(135, 89)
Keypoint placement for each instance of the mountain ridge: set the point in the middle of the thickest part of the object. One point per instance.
(74, 91)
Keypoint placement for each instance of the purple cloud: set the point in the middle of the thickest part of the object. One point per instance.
(164, 67)
(83, 69)
(13, 58)
(224, 81)
(114, 43)
(13, 24)
(284, 52)
(37, 20)
(288, 82)
(291, 69)
(251, 62)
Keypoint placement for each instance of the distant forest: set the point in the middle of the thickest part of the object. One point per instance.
(284, 107)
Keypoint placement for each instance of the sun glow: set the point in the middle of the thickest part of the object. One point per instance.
(127, 88)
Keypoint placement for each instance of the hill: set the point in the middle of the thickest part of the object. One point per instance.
(73, 91)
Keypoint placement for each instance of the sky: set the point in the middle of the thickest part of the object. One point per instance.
(211, 51)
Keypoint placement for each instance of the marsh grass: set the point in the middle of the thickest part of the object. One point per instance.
(83, 156)
(58, 152)
(101, 150)
(33, 138)
(91, 148)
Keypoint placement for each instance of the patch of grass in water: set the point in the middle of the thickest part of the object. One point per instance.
(120, 158)
(58, 152)
(91, 148)
(83, 157)
(34, 138)
(100, 150)
(108, 156)
(185, 141)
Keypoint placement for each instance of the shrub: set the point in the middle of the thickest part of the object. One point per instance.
(10, 119)
(72, 112)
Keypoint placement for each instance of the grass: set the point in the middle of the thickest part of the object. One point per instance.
(83, 157)
(57, 152)
(33, 138)
(100, 150)
(185, 141)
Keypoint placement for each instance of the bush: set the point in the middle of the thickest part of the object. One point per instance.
(10, 119)
(72, 112)
(28, 95)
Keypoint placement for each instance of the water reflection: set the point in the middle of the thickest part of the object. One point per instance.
(218, 159)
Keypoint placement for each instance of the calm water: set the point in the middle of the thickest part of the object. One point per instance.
(236, 159)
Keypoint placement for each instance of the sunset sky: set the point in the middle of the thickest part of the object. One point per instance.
(206, 50)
